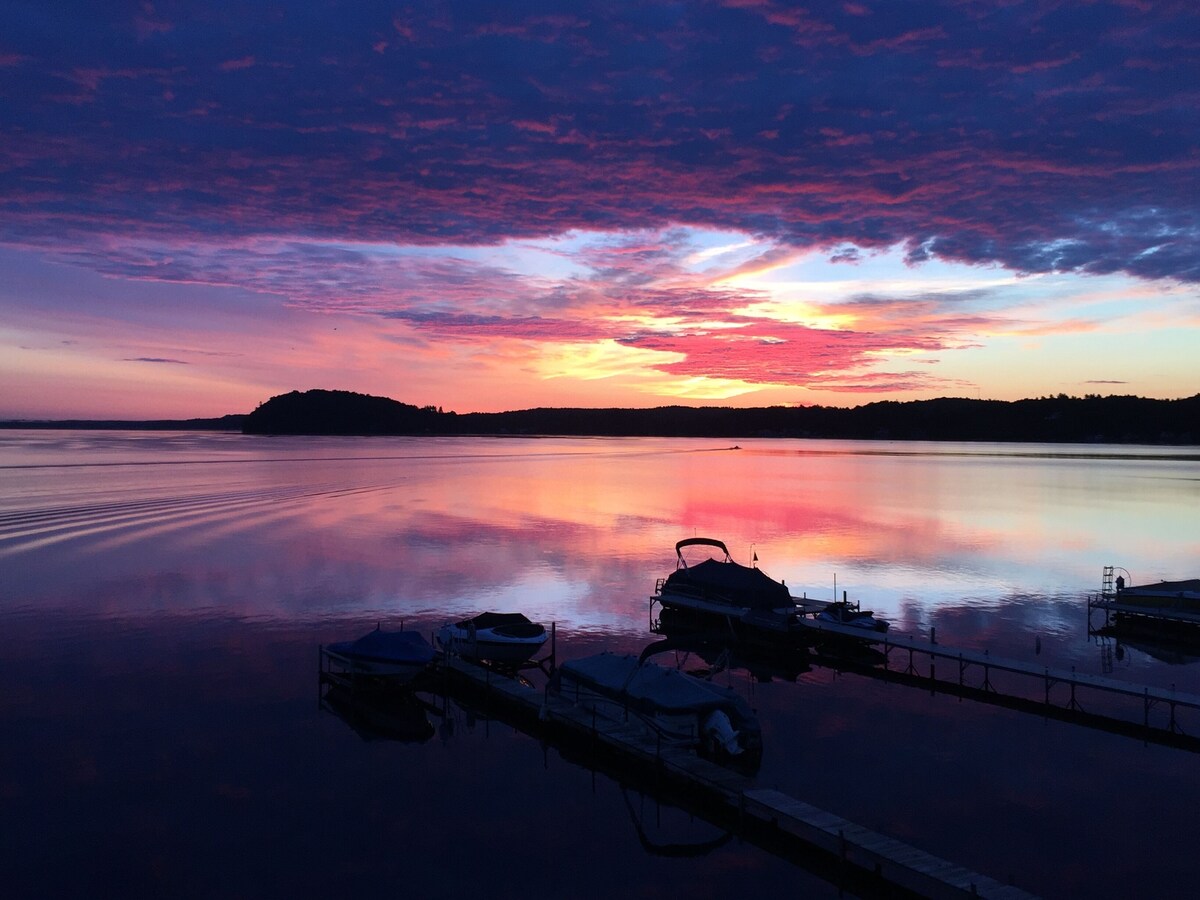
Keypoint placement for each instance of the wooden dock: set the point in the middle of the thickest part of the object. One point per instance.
(1059, 688)
(882, 865)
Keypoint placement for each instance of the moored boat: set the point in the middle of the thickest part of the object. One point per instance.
(1181, 596)
(672, 705)
(723, 589)
(842, 613)
(505, 638)
(394, 656)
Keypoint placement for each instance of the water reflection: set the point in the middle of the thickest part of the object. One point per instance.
(163, 598)
(388, 715)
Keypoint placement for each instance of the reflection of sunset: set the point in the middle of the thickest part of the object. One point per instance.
(577, 529)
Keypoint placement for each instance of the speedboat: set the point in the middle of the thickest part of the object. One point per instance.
(672, 705)
(841, 612)
(505, 638)
(395, 656)
(723, 589)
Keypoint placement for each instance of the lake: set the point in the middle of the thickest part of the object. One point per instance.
(163, 597)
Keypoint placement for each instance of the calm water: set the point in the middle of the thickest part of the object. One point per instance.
(162, 598)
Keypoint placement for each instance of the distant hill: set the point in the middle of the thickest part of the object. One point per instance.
(339, 412)
(1091, 419)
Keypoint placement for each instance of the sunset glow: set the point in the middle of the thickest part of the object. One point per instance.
(484, 207)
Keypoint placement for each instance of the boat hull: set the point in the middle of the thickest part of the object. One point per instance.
(1178, 596)
(851, 618)
(503, 638)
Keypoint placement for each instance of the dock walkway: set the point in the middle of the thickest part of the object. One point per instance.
(1064, 680)
(877, 856)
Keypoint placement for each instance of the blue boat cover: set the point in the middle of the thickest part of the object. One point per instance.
(652, 685)
(387, 646)
(730, 582)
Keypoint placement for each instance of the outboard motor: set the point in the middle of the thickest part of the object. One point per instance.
(719, 730)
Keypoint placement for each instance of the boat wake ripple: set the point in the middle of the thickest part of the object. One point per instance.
(123, 521)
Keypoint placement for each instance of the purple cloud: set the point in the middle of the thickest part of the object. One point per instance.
(1038, 135)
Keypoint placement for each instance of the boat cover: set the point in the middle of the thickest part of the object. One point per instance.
(387, 646)
(730, 582)
(514, 624)
(1181, 589)
(653, 686)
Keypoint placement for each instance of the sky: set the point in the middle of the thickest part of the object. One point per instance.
(488, 206)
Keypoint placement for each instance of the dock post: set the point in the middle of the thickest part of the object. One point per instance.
(933, 634)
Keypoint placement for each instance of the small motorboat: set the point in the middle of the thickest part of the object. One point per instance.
(677, 707)
(841, 612)
(395, 656)
(504, 638)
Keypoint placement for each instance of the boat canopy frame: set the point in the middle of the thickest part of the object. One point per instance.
(699, 542)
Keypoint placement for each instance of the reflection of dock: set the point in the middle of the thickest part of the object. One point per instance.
(880, 865)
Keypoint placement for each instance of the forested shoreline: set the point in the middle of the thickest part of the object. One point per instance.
(1061, 418)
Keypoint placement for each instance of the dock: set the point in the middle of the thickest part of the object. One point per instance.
(841, 851)
(1154, 712)
(1167, 604)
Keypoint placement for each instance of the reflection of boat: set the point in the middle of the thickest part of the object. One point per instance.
(1171, 652)
(376, 715)
(765, 660)
(508, 638)
(674, 706)
(1168, 640)
(397, 656)
(841, 612)
(742, 595)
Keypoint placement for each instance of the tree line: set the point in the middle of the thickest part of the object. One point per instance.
(1061, 418)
